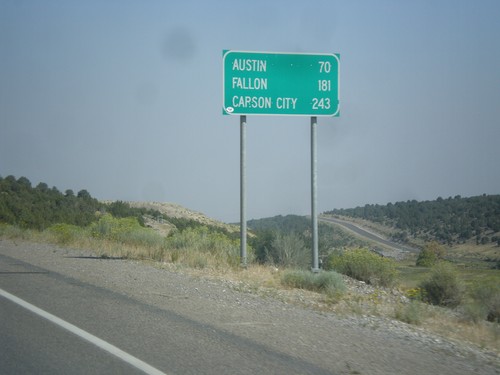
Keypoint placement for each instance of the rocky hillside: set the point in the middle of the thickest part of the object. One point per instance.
(179, 212)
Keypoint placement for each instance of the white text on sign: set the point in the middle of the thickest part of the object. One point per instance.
(257, 83)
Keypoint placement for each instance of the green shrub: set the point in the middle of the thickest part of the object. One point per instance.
(443, 287)
(485, 302)
(11, 231)
(65, 234)
(475, 312)
(144, 237)
(289, 250)
(410, 313)
(416, 294)
(430, 254)
(364, 265)
(330, 283)
(199, 247)
(111, 228)
(426, 258)
(126, 230)
(198, 260)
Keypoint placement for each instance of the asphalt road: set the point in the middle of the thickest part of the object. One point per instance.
(33, 345)
(171, 343)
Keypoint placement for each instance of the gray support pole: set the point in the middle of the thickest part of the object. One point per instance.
(314, 200)
(243, 218)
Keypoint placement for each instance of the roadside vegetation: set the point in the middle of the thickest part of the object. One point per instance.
(433, 289)
(364, 265)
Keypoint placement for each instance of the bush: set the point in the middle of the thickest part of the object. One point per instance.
(199, 247)
(485, 301)
(139, 241)
(289, 251)
(65, 234)
(430, 254)
(364, 265)
(125, 230)
(410, 313)
(330, 283)
(415, 294)
(262, 243)
(443, 287)
(111, 228)
(13, 231)
(475, 312)
(426, 259)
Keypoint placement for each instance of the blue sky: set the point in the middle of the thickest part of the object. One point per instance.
(124, 98)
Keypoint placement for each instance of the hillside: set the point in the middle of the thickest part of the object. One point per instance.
(38, 207)
(452, 221)
(473, 222)
(171, 211)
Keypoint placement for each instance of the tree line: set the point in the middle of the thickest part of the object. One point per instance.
(451, 220)
(39, 207)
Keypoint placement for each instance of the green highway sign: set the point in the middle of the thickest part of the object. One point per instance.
(271, 83)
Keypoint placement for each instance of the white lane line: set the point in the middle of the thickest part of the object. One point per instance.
(136, 362)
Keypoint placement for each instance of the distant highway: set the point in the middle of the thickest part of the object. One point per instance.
(368, 235)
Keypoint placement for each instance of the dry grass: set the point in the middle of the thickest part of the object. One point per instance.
(470, 252)
(255, 278)
(456, 327)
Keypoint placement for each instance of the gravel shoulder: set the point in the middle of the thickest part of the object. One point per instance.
(341, 344)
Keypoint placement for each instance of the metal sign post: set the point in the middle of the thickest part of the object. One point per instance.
(314, 200)
(243, 206)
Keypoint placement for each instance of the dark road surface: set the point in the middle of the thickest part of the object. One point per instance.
(30, 344)
(367, 235)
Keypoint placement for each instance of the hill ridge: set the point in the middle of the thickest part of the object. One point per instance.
(452, 220)
(180, 212)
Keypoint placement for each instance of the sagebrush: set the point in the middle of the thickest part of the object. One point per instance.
(364, 265)
(443, 287)
(330, 283)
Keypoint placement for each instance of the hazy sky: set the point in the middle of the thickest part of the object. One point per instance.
(124, 99)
